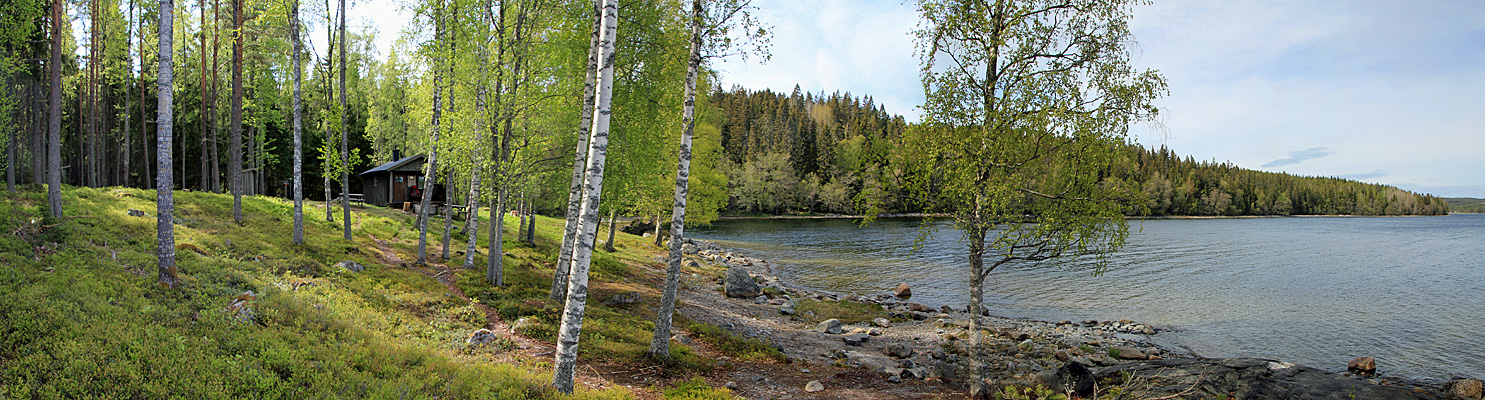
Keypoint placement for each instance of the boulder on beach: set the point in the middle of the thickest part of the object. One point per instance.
(739, 284)
(831, 326)
(814, 386)
(1072, 377)
(903, 291)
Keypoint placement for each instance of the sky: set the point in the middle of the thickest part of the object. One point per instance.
(1378, 91)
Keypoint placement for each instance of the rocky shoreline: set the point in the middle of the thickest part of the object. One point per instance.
(920, 342)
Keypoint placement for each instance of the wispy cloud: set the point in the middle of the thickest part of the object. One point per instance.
(1366, 175)
(1296, 157)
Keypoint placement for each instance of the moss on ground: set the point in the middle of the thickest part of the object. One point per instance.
(81, 316)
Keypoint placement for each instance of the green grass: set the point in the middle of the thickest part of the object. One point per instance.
(81, 316)
(731, 345)
(849, 312)
(697, 389)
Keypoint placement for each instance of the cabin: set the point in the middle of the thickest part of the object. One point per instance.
(389, 184)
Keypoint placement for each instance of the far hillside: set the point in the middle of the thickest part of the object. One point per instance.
(835, 153)
(1466, 205)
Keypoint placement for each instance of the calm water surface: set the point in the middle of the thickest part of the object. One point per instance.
(1317, 291)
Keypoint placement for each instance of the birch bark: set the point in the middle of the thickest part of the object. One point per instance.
(579, 160)
(432, 172)
(164, 198)
(345, 154)
(582, 257)
(660, 343)
(298, 126)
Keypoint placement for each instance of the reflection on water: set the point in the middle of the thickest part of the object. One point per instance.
(1318, 291)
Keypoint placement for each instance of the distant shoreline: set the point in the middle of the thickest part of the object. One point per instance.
(931, 215)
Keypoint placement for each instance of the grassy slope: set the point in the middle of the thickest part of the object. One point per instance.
(1466, 205)
(81, 316)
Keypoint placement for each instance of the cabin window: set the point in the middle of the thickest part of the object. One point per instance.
(399, 179)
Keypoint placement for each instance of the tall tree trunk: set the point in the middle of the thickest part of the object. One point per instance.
(531, 230)
(329, 103)
(660, 343)
(495, 264)
(613, 222)
(149, 179)
(582, 258)
(128, 81)
(575, 189)
(234, 161)
(432, 173)
(164, 197)
(205, 108)
(977, 388)
(657, 231)
(472, 219)
(54, 124)
(298, 125)
(216, 42)
(345, 136)
(521, 223)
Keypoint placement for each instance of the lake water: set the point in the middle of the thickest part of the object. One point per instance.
(1318, 291)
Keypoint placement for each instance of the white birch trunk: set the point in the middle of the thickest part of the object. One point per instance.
(164, 198)
(472, 221)
(660, 343)
(298, 127)
(345, 154)
(582, 257)
(433, 153)
(579, 160)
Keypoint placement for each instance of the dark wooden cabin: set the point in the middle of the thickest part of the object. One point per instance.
(388, 184)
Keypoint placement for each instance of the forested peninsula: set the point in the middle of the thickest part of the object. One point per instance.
(816, 153)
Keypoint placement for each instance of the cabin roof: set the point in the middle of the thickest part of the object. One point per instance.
(394, 164)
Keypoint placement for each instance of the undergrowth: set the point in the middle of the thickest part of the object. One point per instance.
(81, 316)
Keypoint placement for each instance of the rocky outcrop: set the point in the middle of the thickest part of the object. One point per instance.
(623, 299)
(1246, 378)
(739, 284)
(1464, 388)
(1365, 366)
(903, 291)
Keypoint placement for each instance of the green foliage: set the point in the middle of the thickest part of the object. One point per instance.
(697, 389)
(1466, 205)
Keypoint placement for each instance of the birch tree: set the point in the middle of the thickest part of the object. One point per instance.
(345, 154)
(298, 123)
(432, 171)
(579, 161)
(164, 199)
(1026, 101)
(731, 14)
(577, 288)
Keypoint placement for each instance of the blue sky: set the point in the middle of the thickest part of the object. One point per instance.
(1389, 92)
(1379, 91)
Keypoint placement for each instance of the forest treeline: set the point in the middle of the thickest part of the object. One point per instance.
(837, 153)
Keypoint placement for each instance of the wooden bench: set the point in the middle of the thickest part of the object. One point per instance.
(355, 198)
(459, 210)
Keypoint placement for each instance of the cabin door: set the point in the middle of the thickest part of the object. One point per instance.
(399, 188)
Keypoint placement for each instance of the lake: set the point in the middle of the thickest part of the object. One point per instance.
(1317, 291)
